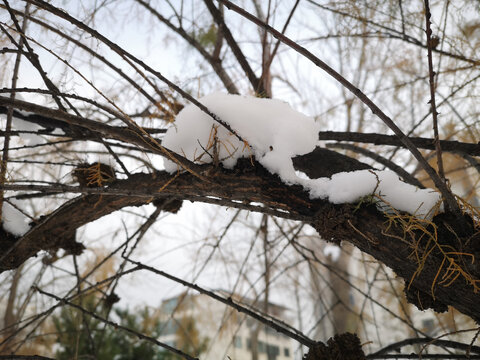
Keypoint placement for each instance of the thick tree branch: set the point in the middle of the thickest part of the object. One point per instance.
(73, 125)
(52, 119)
(372, 231)
(429, 341)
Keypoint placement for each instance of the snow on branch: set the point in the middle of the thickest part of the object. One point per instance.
(275, 133)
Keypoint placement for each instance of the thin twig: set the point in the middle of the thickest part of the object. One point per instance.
(400, 35)
(425, 340)
(8, 127)
(232, 43)
(431, 79)
(392, 140)
(213, 59)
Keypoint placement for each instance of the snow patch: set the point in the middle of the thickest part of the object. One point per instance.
(276, 133)
(22, 125)
(350, 187)
(333, 251)
(14, 221)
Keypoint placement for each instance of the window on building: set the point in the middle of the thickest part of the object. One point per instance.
(169, 328)
(237, 342)
(272, 352)
(262, 347)
(170, 305)
(428, 326)
(351, 298)
(286, 352)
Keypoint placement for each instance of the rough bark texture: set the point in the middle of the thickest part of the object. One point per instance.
(363, 225)
(343, 346)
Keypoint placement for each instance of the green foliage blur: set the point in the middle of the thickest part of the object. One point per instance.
(207, 36)
(81, 336)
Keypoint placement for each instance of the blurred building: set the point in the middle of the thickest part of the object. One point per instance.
(202, 326)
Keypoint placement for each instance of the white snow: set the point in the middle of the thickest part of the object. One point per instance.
(264, 123)
(14, 221)
(349, 187)
(22, 125)
(276, 133)
(332, 250)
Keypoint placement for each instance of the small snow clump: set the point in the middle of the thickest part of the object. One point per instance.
(14, 221)
(333, 251)
(350, 187)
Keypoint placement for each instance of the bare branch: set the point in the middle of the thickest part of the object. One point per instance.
(392, 140)
(431, 79)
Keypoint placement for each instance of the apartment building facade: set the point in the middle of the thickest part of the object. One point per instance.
(208, 329)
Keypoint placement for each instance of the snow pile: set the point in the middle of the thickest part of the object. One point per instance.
(14, 221)
(349, 187)
(276, 133)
